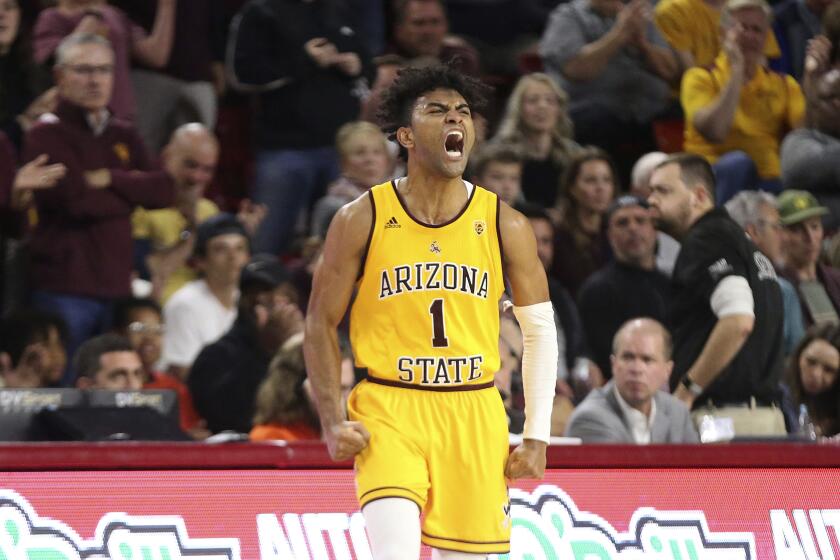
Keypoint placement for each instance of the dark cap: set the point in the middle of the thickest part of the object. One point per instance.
(217, 225)
(625, 202)
(263, 270)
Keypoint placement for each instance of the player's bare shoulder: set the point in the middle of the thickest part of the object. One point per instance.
(515, 229)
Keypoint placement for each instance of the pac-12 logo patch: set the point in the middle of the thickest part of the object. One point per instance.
(479, 226)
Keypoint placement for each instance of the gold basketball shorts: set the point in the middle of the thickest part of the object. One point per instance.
(443, 450)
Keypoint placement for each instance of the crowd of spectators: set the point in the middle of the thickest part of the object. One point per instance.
(147, 243)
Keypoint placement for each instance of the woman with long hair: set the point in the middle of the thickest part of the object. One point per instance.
(813, 377)
(536, 122)
(283, 409)
(580, 242)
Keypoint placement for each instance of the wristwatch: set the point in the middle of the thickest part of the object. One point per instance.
(692, 387)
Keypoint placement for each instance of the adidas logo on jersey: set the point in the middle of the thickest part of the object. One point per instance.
(392, 223)
(720, 268)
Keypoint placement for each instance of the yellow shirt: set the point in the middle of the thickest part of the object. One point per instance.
(694, 27)
(426, 310)
(163, 229)
(770, 105)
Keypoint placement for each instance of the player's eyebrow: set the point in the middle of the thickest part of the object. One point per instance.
(444, 106)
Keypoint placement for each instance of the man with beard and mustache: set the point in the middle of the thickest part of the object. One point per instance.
(629, 286)
(726, 311)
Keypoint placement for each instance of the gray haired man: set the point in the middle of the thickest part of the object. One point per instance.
(757, 213)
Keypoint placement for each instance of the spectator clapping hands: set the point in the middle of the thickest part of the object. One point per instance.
(35, 175)
(325, 54)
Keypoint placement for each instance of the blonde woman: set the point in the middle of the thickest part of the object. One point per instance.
(537, 122)
(365, 162)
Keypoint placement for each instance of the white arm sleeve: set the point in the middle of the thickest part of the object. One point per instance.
(733, 296)
(539, 367)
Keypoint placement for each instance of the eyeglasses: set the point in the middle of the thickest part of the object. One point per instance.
(771, 224)
(143, 328)
(89, 70)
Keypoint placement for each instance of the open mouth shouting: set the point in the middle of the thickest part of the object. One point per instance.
(453, 144)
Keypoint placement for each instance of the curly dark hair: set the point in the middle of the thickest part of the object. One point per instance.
(411, 83)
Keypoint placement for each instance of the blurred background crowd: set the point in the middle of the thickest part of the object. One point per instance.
(169, 169)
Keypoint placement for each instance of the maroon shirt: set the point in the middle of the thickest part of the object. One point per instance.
(82, 243)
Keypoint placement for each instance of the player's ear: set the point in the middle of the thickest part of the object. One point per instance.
(405, 136)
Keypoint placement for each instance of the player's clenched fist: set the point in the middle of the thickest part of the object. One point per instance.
(526, 461)
(346, 439)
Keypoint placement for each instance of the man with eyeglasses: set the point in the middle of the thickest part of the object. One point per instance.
(81, 248)
(141, 322)
(757, 213)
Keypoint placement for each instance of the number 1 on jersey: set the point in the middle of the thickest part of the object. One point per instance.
(439, 339)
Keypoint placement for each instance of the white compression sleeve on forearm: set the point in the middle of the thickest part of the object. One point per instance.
(539, 367)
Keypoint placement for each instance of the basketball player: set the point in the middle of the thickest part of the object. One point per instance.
(426, 255)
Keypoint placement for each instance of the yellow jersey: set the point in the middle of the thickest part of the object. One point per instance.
(770, 105)
(694, 26)
(426, 309)
(163, 228)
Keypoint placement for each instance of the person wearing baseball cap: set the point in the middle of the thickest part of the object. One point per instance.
(202, 310)
(818, 285)
(629, 286)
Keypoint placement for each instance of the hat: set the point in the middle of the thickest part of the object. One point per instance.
(798, 206)
(625, 202)
(220, 224)
(263, 270)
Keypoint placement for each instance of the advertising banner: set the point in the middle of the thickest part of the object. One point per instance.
(576, 514)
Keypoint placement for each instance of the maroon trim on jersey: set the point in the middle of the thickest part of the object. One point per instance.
(400, 496)
(425, 534)
(500, 551)
(424, 224)
(409, 490)
(370, 235)
(442, 388)
(499, 235)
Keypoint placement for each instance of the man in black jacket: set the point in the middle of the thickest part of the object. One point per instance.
(726, 311)
(310, 69)
(628, 287)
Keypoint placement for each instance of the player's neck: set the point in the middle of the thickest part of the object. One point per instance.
(432, 199)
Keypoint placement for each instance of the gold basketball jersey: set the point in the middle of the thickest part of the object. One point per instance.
(426, 310)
